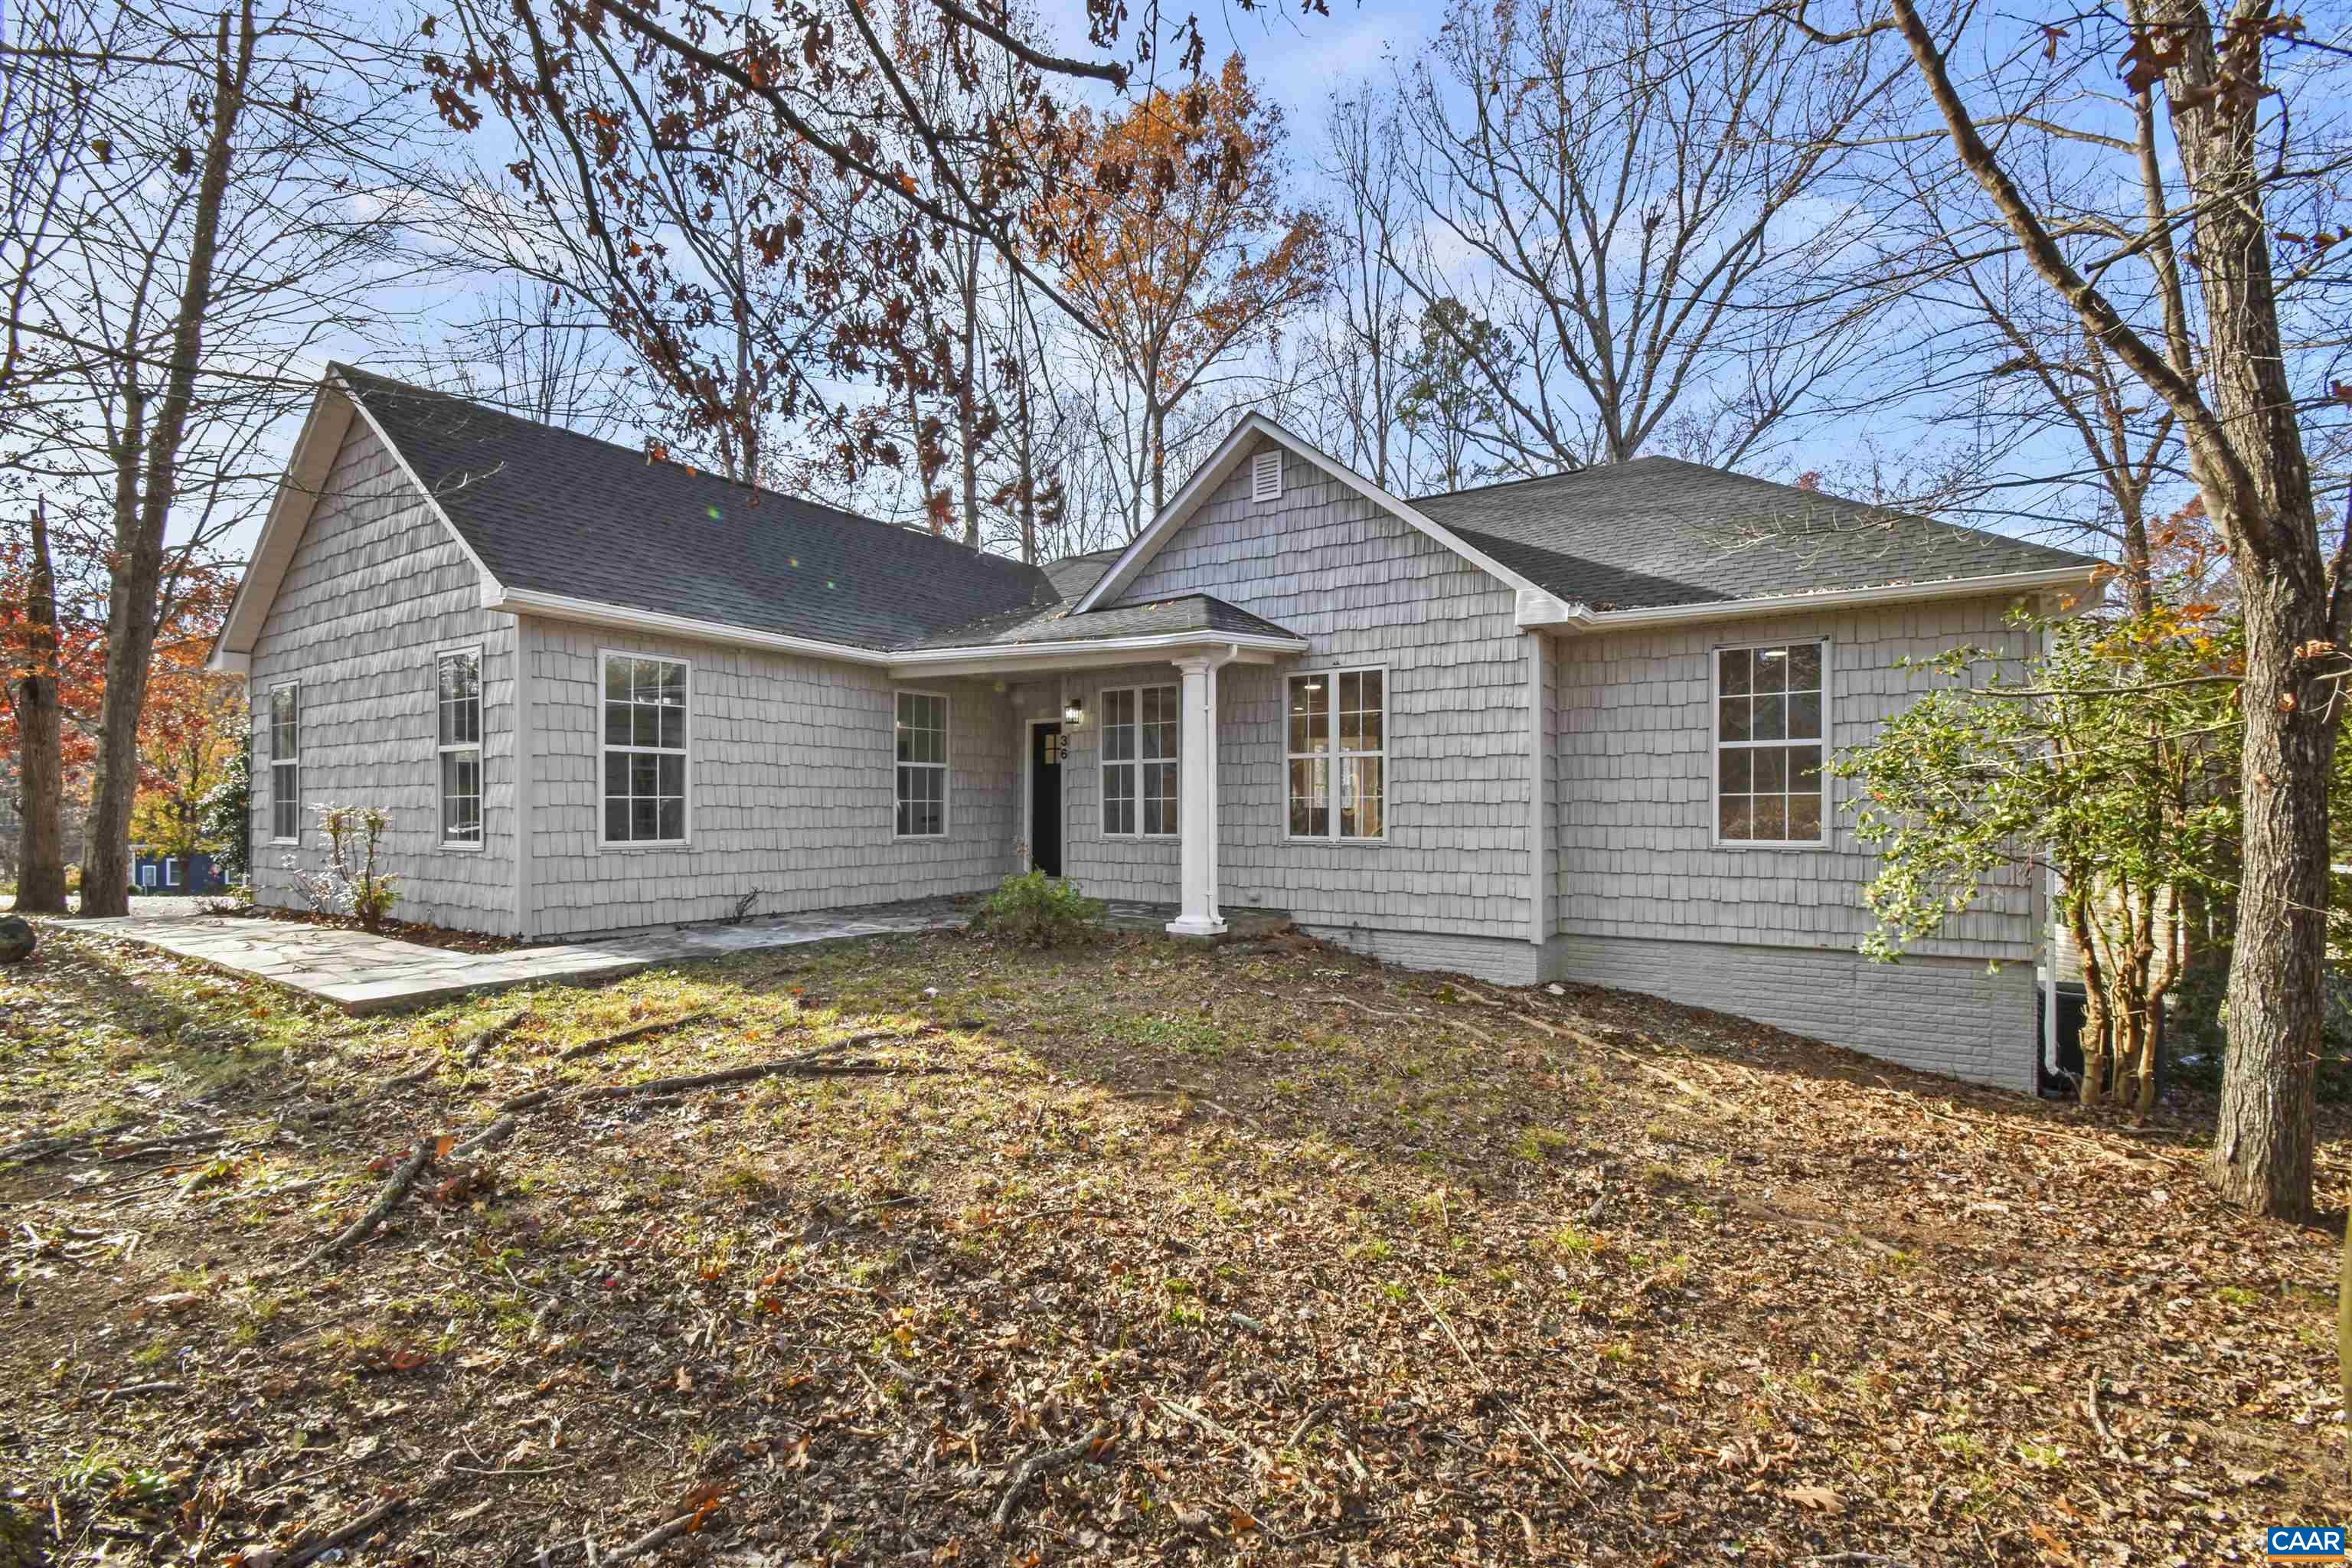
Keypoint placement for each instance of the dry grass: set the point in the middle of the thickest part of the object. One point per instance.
(1339, 1263)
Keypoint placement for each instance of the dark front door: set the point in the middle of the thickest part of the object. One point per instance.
(1046, 798)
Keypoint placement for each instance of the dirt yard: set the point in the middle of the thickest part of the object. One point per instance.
(1137, 1255)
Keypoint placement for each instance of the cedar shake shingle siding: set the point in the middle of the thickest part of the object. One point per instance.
(1647, 901)
(1363, 588)
(375, 588)
(1636, 851)
(1548, 794)
(792, 780)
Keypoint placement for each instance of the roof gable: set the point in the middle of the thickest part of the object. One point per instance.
(1221, 465)
(306, 469)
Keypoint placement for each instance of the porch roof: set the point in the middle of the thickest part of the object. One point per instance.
(1057, 624)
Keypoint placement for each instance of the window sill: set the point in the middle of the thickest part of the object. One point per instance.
(1143, 838)
(627, 844)
(465, 849)
(1773, 844)
(1379, 843)
(918, 838)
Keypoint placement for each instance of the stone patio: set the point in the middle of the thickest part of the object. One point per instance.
(363, 973)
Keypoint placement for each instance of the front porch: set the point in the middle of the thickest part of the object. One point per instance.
(1242, 923)
(1120, 785)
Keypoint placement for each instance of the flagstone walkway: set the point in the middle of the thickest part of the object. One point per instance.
(363, 973)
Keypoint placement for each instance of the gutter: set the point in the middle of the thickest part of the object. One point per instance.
(1543, 611)
(1012, 657)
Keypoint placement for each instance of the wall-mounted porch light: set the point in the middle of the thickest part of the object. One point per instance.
(1074, 712)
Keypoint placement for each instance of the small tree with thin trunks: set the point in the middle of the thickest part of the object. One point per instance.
(2112, 763)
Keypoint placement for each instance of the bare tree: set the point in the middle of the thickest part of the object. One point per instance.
(534, 352)
(1637, 218)
(216, 219)
(1353, 365)
(2221, 118)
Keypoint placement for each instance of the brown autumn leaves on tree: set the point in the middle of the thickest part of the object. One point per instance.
(908, 192)
(1173, 273)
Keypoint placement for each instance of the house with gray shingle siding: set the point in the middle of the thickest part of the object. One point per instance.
(1564, 729)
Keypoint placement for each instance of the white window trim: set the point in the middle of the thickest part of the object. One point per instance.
(604, 656)
(1715, 744)
(1134, 764)
(1332, 753)
(481, 763)
(947, 768)
(294, 762)
(147, 875)
(171, 871)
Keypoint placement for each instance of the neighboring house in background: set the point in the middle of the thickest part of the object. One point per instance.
(154, 871)
(1565, 729)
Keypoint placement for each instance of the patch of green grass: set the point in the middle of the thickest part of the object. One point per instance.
(1540, 1144)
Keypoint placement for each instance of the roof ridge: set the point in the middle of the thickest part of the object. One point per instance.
(1529, 479)
(341, 368)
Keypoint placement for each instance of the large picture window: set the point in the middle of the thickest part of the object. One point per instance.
(646, 738)
(922, 765)
(1339, 755)
(1769, 732)
(1140, 726)
(286, 763)
(458, 698)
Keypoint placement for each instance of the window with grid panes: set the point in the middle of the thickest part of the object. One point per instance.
(1769, 737)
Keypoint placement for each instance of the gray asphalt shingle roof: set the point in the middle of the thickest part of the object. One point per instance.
(1657, 531)
(548, 509)
(1074, 574)
(1163, 617)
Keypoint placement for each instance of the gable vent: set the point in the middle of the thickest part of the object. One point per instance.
(1266, 476)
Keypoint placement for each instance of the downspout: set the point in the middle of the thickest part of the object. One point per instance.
(526, 913)
(1540, 845)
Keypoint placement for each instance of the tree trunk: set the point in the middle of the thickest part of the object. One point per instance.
(2097, 1039)
(1025, 456)
(2256, 482)
(142, 503)
(968, 395)
(40, 756)
(2263, 1144)
(2344, 1320)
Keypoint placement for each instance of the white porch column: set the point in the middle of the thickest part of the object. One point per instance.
(1196, 809)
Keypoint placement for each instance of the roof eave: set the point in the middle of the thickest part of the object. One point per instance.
(1081, 653)
(307, 469)
(628, 617)
(1543, 611)
(983, 658)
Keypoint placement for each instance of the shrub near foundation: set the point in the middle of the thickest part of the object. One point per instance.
(1033, 910)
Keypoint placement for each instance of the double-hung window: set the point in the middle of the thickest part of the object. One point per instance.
(171, 872)
(285, 763)
(457, 697)
(1769, 718)
(1339, 755)
(645, 739)
(922, 795)
(1140, 729)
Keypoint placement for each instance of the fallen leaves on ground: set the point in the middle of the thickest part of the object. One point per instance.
(1261, 1254)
